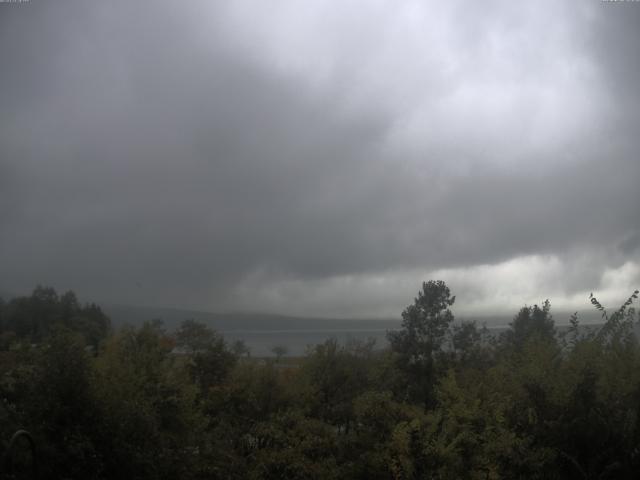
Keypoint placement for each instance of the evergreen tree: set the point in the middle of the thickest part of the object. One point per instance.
(419, 344)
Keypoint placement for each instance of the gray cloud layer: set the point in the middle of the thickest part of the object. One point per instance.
(198, 155)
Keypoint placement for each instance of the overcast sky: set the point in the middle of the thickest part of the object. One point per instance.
(321, 158)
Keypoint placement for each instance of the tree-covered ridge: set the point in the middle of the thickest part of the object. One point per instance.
(445, 400)
(34, 318)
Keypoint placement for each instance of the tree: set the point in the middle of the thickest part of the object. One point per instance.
(193, 336)
(531, 322)
(36, 317)
(279, 351)
(210, 360)
(470, 345)
(419, 343)
(61, 411)
(335, 375)
(148, 405)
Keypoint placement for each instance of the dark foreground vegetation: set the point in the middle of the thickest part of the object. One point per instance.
(446, 400)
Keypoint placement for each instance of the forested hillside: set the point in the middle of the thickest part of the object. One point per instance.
(445, 400)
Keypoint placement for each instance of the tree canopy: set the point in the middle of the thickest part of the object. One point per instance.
(444, 400)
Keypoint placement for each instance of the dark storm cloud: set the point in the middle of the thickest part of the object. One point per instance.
(164, 154)
(614, 45)
(168, 164)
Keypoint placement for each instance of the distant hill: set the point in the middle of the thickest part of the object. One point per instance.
(239, 322)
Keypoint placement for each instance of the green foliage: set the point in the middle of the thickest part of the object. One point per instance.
(294, 447)
(618, 326)
(147, 404)
(209, 360)
(34, 318)
(425, 323)
(419, 344)
(531, 322)
(472, 346)
(334, 375)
